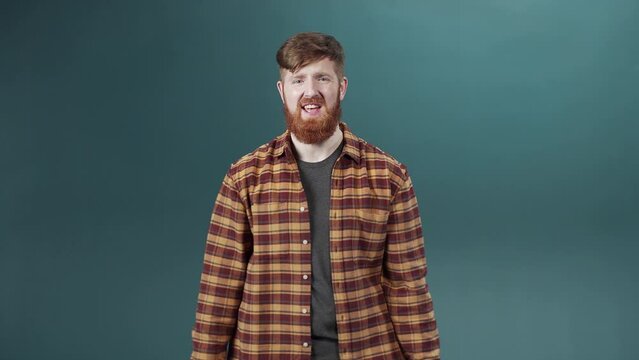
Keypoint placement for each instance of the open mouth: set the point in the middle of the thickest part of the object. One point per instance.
(312, 109)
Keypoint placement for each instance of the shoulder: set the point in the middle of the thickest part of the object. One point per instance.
(376, 158)
(254, 161)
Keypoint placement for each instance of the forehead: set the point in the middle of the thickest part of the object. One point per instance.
(324, 66)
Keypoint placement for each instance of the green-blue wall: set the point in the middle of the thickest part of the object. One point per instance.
(517, 119)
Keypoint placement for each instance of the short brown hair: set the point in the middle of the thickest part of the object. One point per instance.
(307, 47)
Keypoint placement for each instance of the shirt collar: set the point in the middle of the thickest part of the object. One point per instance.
(351, 143)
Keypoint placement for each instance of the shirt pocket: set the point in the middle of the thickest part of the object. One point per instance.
(271, 227)
(370, 238)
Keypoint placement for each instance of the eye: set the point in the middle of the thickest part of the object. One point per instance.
(297, 81)
(324, 78)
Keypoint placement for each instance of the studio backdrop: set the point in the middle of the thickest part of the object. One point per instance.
(517, 120)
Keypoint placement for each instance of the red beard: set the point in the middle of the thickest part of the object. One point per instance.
(315, 130)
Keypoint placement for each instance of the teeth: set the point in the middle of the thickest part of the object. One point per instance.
(307, 107)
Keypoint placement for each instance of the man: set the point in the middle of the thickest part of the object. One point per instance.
(315, 247)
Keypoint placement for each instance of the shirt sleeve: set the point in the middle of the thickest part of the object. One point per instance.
(228, 246)
(404, 277)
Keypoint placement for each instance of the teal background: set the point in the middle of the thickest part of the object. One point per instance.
(517, 119)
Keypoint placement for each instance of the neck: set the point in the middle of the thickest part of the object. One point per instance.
(320, 151)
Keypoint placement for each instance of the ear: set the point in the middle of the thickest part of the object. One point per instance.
(342, 88)
(280, 88)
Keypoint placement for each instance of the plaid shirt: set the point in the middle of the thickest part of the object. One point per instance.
(255, 288)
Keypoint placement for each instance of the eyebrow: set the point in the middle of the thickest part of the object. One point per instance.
(299, 76)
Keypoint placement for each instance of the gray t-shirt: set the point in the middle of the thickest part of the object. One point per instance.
(316, 180)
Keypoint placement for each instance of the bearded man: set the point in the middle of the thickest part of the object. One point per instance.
(315, 247)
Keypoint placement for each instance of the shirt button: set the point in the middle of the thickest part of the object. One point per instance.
(305, 277)
(304, 311)
(302, 208)
(305, 344)
(304, 241)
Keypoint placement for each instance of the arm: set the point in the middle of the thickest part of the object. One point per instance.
(404, 277)
(228, 247)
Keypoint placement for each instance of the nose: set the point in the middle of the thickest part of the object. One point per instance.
(310, 89)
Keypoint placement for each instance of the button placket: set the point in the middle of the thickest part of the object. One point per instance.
(305, 306)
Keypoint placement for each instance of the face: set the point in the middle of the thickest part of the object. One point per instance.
(311, 98)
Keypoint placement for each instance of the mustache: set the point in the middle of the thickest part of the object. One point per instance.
(312, 100)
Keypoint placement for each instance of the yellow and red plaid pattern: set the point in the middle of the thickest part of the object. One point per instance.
(255, 287)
